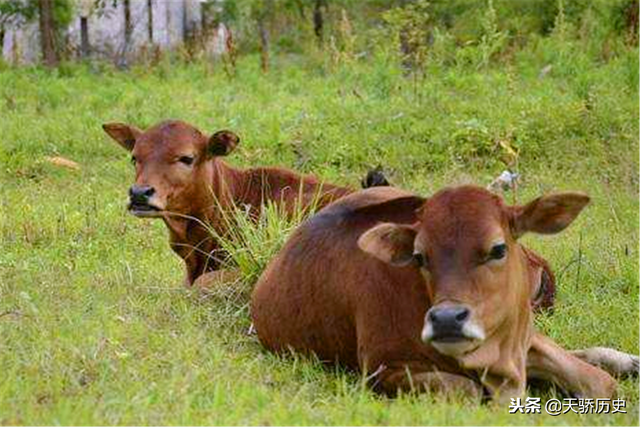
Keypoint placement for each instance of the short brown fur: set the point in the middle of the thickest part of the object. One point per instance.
(367, 311)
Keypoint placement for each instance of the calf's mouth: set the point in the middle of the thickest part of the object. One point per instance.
(451, 330)
(144, 210)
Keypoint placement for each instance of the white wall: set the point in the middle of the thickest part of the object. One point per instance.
(106, 30)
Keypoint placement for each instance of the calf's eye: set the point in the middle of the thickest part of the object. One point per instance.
(498, 251)
(420, 259)
(187, 160)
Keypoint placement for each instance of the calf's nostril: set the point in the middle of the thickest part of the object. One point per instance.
(462, 315)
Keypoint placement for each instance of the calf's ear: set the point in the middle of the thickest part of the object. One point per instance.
(123, 134)
(548, 214)
(222, 143)
(391, 243)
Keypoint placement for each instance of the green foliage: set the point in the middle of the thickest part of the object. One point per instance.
(288, 22)
(410, 28)
(492, 40)
(16, 12)
(63, 12)
(252, 245)
(442, 31)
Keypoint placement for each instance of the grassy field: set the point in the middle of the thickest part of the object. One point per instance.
(95, 327)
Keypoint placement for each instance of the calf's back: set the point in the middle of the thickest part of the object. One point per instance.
(323, 295)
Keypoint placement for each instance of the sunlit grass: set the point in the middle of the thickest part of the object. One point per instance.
(95, 326)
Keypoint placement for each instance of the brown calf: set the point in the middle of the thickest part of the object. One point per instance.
(181, 178)
(428, 294)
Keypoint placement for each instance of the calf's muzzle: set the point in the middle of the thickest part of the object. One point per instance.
(447, 322)
(141, 201)
(140, 194)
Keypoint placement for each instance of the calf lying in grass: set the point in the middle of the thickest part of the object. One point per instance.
(181, 178)
(428, 294)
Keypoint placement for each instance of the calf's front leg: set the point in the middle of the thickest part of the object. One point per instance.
(201, 269)
(214, 279)
(417, 379)
(548, 361)
(615, 362)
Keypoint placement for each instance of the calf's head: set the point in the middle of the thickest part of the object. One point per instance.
(172, 160)
(477, 276)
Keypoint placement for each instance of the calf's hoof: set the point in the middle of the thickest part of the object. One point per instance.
(616, 363)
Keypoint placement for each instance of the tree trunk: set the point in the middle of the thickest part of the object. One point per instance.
(231, 49)
(167, 15)
(263, 32)
(84, 37)
(47, 33)
(186, 33)
(300, 5)
(631, 12)
(150, 20)
(264, 45)
(318, 20)
(128, 27)
(203, 18)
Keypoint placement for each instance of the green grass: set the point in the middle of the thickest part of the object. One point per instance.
(95, 327)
